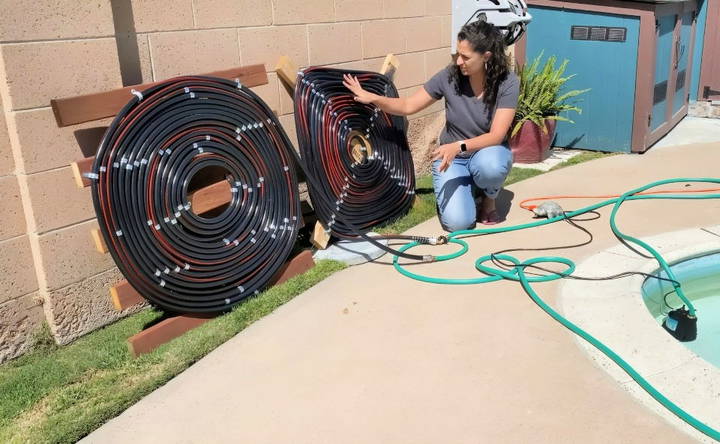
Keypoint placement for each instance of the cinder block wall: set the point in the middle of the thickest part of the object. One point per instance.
(49, 270)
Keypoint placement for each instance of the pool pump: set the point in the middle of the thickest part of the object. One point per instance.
(681, 324)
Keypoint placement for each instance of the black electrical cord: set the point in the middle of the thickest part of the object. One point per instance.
(507, 265)
(357, 155)
(178, 260)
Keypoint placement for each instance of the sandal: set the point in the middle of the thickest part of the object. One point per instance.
(490, 218)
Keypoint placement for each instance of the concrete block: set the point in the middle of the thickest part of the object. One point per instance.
(373, 65)
(229, 13)
(438, 106)
(436, 60)
(12, 216)
(143, 43)
(334, 43)
(17, 269)
(19, 320)
(270, 93)
(38, 72)
(68, 255)
(7, 163)
(84, 306)
(446, 32)
(412, 70)
(43, 145)
(266, 45)
(134, 55)
(424, 33)
(423, 133)
(350, 10)
(54, 19)
(193, 52)
(403, 8)
(162, 15)
(288, 123)
(288, 12)
(287, 105)
(438, 7)
(381, 37)
(57, 201)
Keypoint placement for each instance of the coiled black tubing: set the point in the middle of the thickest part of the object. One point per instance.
(189, 263)
(157, 143)
(353, 189)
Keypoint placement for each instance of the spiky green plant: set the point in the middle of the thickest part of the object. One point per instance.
(540, 94)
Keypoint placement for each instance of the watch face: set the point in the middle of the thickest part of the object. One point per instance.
(463, 147)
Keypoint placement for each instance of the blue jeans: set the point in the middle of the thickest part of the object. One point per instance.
(486, 170)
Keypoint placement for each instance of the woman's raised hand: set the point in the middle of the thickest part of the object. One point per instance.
(353, 84)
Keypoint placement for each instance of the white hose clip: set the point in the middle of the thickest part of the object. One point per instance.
(137, 94)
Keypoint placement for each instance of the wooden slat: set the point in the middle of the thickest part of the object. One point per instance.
(81, 167)
(390, 66)
(301, 263)
(98, 240)
(287, 71)
(74, 110)
(163, 332)
(320, 237)
(123, 296)
(210, 197)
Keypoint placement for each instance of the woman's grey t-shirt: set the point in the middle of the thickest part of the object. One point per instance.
(466, 115)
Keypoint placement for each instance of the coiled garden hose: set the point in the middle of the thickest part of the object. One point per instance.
(517, 273)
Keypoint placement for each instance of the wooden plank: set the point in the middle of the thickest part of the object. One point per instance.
(123, 296)
(211, 197)
(98, 240)
(163, 332)
(390, 65)
(287, 71)
(74, 110)
(301, 263)
(81, 167)
(320, 237)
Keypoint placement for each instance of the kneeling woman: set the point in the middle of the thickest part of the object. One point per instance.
(481, 95)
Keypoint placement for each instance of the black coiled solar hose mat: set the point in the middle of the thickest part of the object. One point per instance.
(166, 135)
(358, 155)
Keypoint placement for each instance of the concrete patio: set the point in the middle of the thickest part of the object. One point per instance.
(370, 356)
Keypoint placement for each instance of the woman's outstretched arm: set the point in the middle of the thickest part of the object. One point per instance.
(403, 106)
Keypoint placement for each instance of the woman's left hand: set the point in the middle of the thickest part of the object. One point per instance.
(446, 154)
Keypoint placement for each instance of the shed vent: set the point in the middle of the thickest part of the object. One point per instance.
(660, 92)
(598, 33)
(680, 82)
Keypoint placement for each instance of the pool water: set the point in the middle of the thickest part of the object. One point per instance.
(700, 280)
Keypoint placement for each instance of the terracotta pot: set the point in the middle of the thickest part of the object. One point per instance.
(530, 144)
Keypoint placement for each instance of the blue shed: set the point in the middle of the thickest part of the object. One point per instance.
(635, 56)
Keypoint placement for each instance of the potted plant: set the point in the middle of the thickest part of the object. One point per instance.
(539, 107)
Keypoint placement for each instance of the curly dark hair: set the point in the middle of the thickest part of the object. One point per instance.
(483, 36)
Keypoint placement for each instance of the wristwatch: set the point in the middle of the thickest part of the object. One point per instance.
(463, 147)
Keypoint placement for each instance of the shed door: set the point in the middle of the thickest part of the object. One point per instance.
(710, 71)
(663, 65)
(682, 53)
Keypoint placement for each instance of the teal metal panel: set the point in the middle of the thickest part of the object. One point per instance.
(663, 59)
(699, 46)
(608, 68)
(683, 80)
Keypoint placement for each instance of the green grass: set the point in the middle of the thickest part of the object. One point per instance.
(424, 207)
(585, 156)
(60, 394)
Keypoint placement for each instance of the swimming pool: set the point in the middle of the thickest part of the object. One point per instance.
(700, 279)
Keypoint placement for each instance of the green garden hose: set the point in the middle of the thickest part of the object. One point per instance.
(517, 273)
